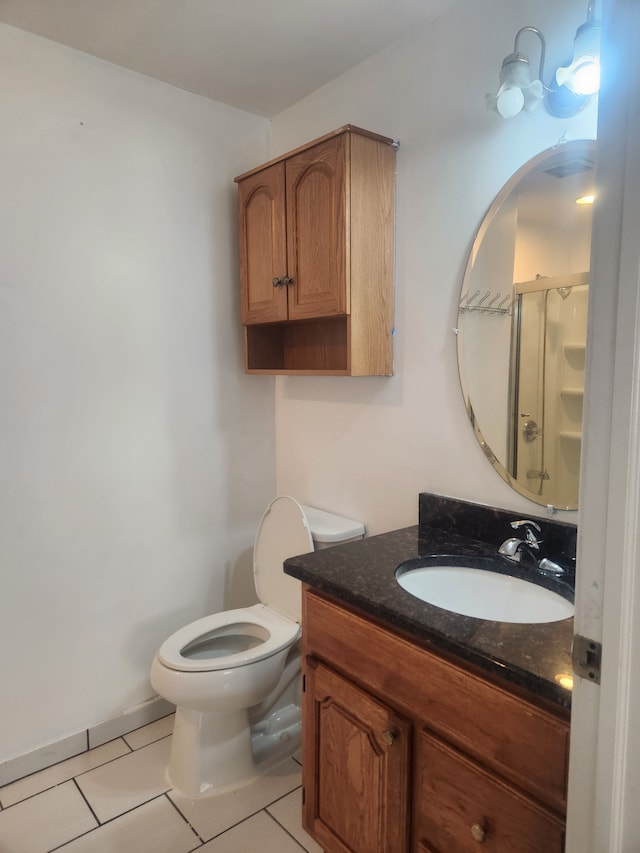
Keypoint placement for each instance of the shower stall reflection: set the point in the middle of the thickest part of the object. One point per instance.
(547, 386)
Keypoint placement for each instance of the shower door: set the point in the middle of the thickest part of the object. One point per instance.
(547, 382)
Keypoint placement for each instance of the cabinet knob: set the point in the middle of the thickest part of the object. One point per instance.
(479, 831)
(278, 282)
(389, 737)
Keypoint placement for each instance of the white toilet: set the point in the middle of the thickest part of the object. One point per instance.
(235, 676)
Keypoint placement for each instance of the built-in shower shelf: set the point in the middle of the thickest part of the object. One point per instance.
(571, 435)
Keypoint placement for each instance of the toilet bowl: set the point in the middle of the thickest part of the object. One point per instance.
(234, 676)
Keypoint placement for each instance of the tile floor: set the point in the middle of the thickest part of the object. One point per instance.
(115, 799)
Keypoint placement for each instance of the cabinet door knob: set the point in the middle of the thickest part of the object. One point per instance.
(287, 280)
(479, 831)
(277, 282)
(388, 737)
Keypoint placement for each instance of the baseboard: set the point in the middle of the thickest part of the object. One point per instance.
(68, 747)
(132, 719)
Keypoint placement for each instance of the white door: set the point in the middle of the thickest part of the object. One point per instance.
(604, 777)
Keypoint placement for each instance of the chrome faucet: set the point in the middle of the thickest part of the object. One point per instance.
(514, 548)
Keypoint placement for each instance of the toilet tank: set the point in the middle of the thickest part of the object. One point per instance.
(328, 529)
(288, 529)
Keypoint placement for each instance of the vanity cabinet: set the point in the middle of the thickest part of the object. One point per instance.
(316, 240)
(362, 757)
(405, 750)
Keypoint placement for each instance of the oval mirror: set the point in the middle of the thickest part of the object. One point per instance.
(522, 324)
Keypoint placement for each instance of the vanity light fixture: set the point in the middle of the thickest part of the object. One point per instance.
(517, 90)
(582, 75)
(572, 86)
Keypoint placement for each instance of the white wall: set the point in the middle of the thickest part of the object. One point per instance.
(135, 456)
(366, 447)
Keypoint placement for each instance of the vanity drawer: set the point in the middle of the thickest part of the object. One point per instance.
(524, 743)
(460, 807)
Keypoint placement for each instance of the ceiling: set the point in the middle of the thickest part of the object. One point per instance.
(258, 55)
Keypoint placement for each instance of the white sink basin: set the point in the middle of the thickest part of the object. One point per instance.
(482, 593)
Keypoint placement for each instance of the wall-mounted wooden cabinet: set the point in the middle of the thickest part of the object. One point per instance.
(405, 751)
(316, 236)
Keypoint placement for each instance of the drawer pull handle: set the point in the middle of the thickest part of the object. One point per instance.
(479, 831)
(388, 737)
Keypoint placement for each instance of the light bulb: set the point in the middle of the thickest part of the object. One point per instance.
(586, 77)
(582, 75)
(509, 101)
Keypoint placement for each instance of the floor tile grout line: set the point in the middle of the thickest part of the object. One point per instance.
(87, 832)
(189, 824)
(75, 838)
(83, 772)
(75, 782)
(69, 778)
(89, 749)
(152, 723)
(242, 820)
(134, 748)
(284, 829)
(197, 837)
(283, 796)
(138, 748)
(249, 817)
(227, 828)
(105, 823)
(163, 793)
(133, 808)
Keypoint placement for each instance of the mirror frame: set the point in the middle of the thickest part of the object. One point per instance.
(532, 164)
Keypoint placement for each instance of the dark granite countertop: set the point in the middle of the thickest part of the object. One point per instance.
(362, 574)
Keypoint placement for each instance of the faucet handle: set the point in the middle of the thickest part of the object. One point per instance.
(532, 539)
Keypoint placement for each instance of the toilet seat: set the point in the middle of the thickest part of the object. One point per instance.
(256, 632)
(235, 638)
(283, 532)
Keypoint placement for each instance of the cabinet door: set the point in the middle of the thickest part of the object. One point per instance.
(262, 239)
(317, 244)
(461, 807)
(355, 767)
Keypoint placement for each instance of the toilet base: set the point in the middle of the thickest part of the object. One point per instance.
(210, 752)
(214, 752)
(276, 737)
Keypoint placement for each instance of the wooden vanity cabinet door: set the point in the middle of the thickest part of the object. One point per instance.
(263, 247)
(356, 755)
(317, 256)
(461, 807)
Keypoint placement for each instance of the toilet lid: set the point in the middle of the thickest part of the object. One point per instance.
(283, 532)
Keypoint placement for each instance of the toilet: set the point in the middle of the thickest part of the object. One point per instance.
(234, 676)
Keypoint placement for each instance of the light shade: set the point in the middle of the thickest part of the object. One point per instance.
(582, 75)
(517, 90)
